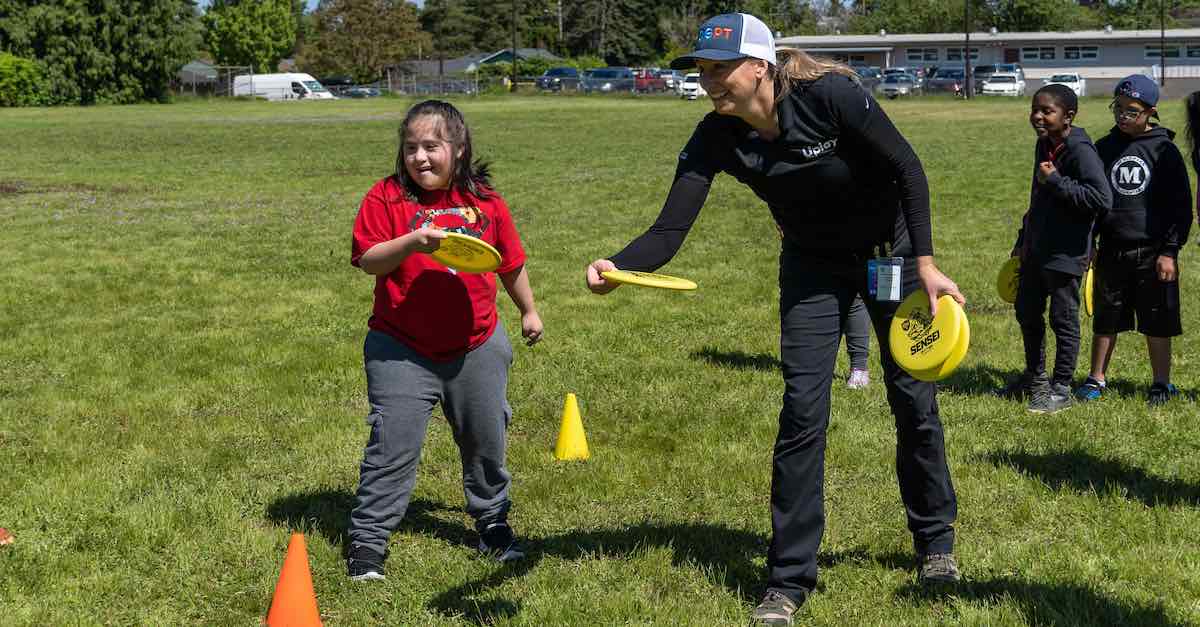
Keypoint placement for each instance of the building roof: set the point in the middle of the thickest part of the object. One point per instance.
(522, 53)
(197, 72)
(985, 38)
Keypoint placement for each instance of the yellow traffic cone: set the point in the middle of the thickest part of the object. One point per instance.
(572, 443)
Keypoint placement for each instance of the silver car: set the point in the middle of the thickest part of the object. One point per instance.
(896, 85)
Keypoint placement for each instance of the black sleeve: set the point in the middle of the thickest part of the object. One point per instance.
(1090, 193)
(1175, 199)
(861, 118)
(693, 177)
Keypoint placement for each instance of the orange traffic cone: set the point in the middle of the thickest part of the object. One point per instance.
(295, 603)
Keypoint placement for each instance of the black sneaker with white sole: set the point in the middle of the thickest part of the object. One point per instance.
(937, 568)
(496, 540)
(776, 609)
(364, 564)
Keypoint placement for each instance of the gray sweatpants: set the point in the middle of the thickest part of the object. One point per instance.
(858, 334)
(403, 387)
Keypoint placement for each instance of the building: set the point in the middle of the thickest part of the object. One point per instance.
(1100, 56)
(468, 63)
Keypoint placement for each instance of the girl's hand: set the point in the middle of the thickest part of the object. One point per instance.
(427, 239)
(531, 327)
(1167, 270)
(1045, 169)
(595, 282)
(936, 284)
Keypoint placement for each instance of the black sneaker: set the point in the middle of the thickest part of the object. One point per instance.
(364, 564)
(1161, 393)
(497, 541)
(1045, 400)
(937, 568)
(1018, 389)
(776, 609)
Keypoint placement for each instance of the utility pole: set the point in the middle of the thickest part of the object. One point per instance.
(970, 83)
(514, 46)
(1162, 42)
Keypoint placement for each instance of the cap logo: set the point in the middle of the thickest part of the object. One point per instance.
(716, 32)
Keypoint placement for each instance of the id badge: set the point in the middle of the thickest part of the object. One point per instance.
(884, 278)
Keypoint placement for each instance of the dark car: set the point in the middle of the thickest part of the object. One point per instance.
(869, 76)
(558, 79)
(359, 92)
(946, 79)
(608, 80)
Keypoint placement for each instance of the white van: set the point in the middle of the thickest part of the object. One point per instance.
(291, 86)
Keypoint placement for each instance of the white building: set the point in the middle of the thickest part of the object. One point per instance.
(1101, 56)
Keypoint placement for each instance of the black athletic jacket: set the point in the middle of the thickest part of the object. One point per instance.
(1152, 199)
(1056, 232)
(839, 178)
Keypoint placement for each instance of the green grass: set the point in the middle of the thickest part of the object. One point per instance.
(181, 385)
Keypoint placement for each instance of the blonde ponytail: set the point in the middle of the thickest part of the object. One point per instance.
(794, 66)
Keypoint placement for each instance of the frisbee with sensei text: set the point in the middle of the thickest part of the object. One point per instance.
(466, 254)
(648, 279)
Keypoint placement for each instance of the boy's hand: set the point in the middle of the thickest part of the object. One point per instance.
(531, 327)
(597, 283)
(1045, 169)
(1167, 271)
(427, 239)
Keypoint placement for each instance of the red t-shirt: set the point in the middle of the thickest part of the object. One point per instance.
(432, 309)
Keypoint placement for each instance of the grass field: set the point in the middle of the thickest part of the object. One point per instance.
(181, 385)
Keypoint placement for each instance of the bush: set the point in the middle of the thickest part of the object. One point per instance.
(21, 82)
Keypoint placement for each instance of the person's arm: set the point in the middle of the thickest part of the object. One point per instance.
(1177, 200)
(516, 283)
(384, 257)
(1090, 195)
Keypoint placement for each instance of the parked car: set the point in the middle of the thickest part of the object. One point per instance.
(672, 79)
(691, 87)
(917, 73)
(894, 85)
(558, 79)
(359, 91)
(868, 75)
(946, 79)
(646, 80)
(1003, 84)
(980, 73)
(608, 80)
(1077, 83)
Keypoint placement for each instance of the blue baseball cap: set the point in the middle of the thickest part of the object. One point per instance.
(730, 36)
(1139, 87)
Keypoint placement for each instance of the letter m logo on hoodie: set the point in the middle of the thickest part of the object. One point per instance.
(1130, 175)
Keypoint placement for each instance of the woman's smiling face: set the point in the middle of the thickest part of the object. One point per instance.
(731, 84)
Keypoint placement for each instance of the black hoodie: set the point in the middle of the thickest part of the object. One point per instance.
(1152, 203)
(1056, 232)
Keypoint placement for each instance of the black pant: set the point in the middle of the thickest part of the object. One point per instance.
(815, 299)
(1062, 289)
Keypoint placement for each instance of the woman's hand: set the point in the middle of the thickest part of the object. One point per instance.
(426, 239)
(936, 284)
(531, 327)
(1167, 270)
(595, 282)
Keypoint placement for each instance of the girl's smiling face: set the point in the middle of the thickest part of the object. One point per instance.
(429, 159)
(1048, 118)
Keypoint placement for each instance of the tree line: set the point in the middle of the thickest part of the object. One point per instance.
(120, 51)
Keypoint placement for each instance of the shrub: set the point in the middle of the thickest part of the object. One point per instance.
(21, 82)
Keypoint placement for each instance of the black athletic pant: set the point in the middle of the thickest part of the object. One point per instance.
(815, 298)
(1063, 291)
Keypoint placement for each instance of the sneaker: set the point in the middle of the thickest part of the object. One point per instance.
(1045, 400)
(1160, 393)
(497, 541)
(937, 568)
(858, 379)
(1091, 390)
(364, 564)
(1017, 389)
(776, 608)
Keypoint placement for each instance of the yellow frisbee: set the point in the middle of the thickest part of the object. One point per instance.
(1008, 278)
(648, 279)
(1089, 278)
(920, 341)
(466, 254)
(956, 356)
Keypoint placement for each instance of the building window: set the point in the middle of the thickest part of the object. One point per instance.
(917, 55)
(956, 54)
(1081, 52)
(1193, 51)
(1155, 52)
(1044, 53)
(858, 58)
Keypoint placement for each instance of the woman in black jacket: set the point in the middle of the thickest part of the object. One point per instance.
(844, 187)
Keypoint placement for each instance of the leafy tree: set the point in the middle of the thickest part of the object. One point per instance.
(361, 38)
(20, 82)
(257, 33)
(451, 26)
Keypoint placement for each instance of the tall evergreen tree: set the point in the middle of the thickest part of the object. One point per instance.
(361, 38)
(257, 33)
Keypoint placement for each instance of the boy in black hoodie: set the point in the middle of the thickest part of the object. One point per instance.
(1136, 270)
(1054, 245)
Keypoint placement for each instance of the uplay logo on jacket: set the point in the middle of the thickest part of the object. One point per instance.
(1130, 175)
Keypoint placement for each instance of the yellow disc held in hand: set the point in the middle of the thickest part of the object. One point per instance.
(920, 341)
(956, 356)
(1089, 278)
(1008, 278)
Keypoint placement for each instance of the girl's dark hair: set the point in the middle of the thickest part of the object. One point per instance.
(467, 176)
(1192, 111)
(1063, 96)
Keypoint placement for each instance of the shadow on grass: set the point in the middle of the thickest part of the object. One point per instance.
(978, 380)
(1045, 604)
(737, 360)
(1080, 470)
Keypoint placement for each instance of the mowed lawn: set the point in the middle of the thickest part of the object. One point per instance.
(181, 386)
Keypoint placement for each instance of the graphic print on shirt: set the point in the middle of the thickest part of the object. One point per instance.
(465, 220)
(1130, 175)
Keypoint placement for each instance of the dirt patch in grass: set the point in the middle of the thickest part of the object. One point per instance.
(12, 188)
